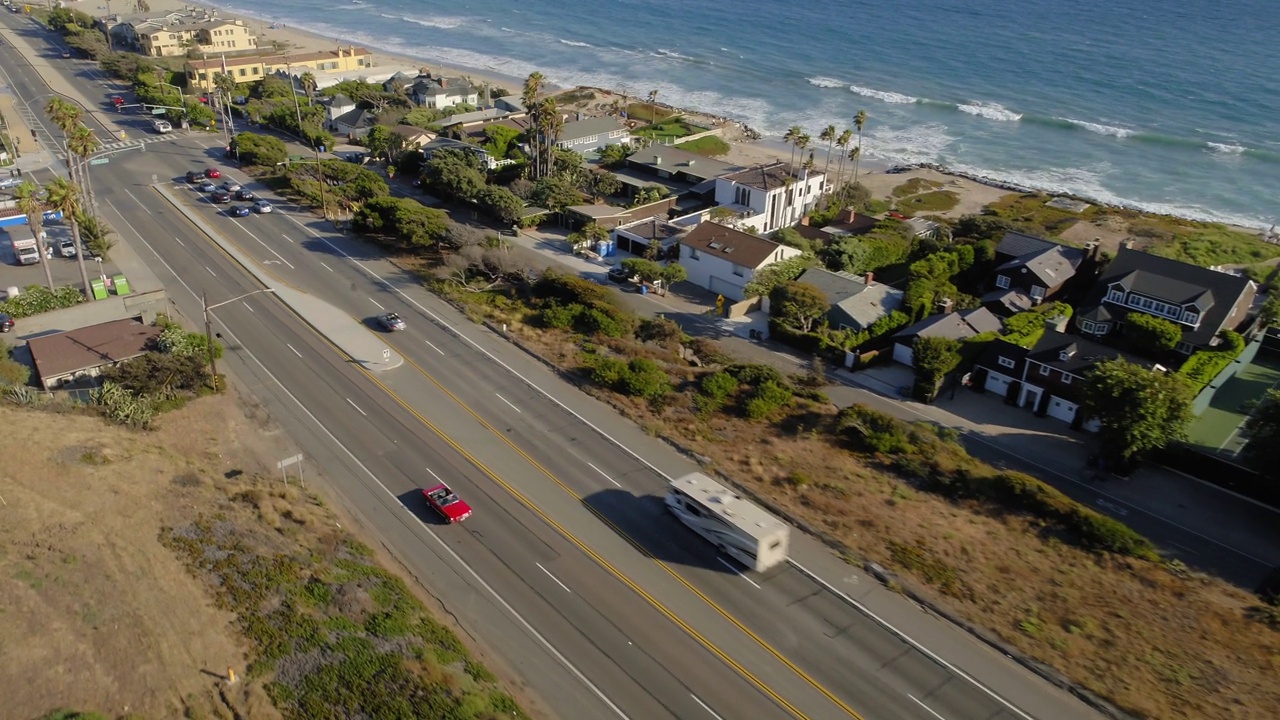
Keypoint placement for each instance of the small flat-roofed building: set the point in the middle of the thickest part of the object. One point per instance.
(84, 353)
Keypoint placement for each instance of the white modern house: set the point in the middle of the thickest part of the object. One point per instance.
(769, 197)
(723, 260)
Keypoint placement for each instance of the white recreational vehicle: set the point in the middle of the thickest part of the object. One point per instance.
(739, 528)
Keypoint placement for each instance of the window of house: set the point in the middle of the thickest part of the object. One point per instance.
(1184, 348)
(1103, 328)
(693, 253)
(1190, 318)
(1115, 295)
(1037, 292)
(204, 76)
(1002, 282)
(739, 271)
(1005, 362)
(1087, 326)
(1044, 369)
(1066, 378)
(255, 71)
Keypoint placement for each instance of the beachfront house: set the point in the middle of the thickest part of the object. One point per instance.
(856, 301)
(438, 91)
(1035, 271)
(1200, 301)
(592, 134)
(175, 33)
(253, 68)
(443, 143)
(769, 197)
(723, 259)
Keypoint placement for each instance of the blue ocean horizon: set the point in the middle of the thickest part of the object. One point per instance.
(1172, 109)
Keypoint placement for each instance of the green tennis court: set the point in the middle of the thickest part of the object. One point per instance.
(1215, 428)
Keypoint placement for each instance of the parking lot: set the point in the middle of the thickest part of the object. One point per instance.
(64, 270)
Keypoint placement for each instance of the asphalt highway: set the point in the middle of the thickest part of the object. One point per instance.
(569, 569)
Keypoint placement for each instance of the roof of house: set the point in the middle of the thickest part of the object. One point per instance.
(653, 228)
(955, 325)
(999, 348)
(476, 116)
(441, 86)
(341, 100)
(277, 59)
(411, 132)
(849, 223)
(1012, 300)
(1076, 355)
(1215, 293)
(1053, 265)
(734, 245)
(357, 118)
(579, 129)
(90, 347)
(837, 286)
(598, 212)
(763, 177)
(1016, 244)
(666, 157)
(443, 143)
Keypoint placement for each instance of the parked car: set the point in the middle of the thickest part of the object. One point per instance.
(446, 502)
(391, 321)
(262, 207)
(221, 196)
(195, 176)
(66, 53)
(213, 173)
(231, 186)
(238, 211)
(207, 186)
(245, 194)
(619, 275)
(6, 323)
(67, 248)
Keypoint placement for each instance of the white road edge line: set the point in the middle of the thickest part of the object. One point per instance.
(737, 572)
(433, 346)
(553, 577)
(326, 267)
(179, 241)
(268, 247)
(286, 237)
(600, 431)
(907, 639)
(295, 352)
(250, 309)
(206, 267)
(606, 477)
(357, 407)
(513, 407)
(926, 707)
(704, 707)
(434, 475)
(425, 528)
(375, 302)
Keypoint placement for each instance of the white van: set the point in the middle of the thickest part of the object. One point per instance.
(162, 126)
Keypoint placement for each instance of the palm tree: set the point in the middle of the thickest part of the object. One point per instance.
(550, 123)
(32, 205)
(855, 152)
(308, 83)
(62, 113)
(842, 142)
(82, 143)
(828, 135)
(858, 121)
(65, 196)
(790, 136)
(653, 108)
(529, 98)
(97, 235)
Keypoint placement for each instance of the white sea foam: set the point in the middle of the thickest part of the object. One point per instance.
(663, 52)
(443, 23)
(1101, 129)
(990, 111)
(882, 95)
(1226, 148)
(922, 143)
(825, 82)
(572, 43)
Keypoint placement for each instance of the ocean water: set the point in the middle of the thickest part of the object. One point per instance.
(1171, 107)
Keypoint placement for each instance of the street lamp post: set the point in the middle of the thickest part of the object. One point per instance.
(208, 327)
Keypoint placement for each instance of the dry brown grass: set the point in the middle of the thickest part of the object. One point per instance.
(1155, 640)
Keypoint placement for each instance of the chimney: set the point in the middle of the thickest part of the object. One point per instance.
(846, 216)
(868, 278)
(805, 221)
(444, 82)
(946, 305)
(1127, 243)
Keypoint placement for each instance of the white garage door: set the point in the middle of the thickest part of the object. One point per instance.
(1062, 410)
(997, 383)
(902, 354)
(720, 286)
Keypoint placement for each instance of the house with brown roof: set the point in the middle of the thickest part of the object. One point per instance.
(723, 259)
(85, 352)
(252, 68)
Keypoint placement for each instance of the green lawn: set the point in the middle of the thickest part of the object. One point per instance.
(669, 130)
(1215, 428)
(710, 146)
(644, 112)
(930, 202)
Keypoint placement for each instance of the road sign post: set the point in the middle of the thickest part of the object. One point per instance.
(100, 161)
(284, 472)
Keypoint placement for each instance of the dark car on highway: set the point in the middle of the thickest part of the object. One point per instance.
(245, 194)
(238, 211)
(6, 323)
(221, 196)
(195, 176)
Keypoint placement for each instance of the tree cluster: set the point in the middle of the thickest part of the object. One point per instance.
(260, 150)
(889, 243)
(457, 174)
(1139, 409)
(401, 221)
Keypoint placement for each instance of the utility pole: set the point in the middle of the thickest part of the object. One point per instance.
(106, 28)
(208, 336)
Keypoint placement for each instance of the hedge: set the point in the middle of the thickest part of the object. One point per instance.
(36, 299)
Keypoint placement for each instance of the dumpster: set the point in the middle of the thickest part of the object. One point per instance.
(99, 289)
(121, 285)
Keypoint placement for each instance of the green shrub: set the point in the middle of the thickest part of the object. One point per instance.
(767, 397)
(560, 317)
(173, 340)
(756, 374)
(570, 289)
(873, 431)
(595, 321)
(36, 299)
(713, 391)
(644, 378)
(607, 372)
(263, 150)
(1204, 365)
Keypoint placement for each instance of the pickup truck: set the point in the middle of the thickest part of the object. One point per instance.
(25, 251)
(446, 502)
(161, 126)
